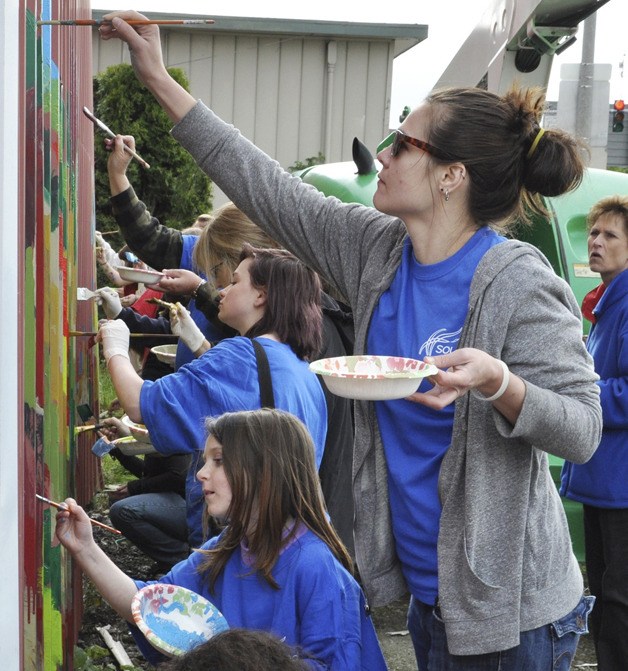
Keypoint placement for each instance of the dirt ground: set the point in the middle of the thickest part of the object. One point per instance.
(390, 621)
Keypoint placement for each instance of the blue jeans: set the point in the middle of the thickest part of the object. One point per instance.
(548, 648)
(156, 523)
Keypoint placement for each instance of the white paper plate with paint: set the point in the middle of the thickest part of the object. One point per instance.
(165, 353)
(138, 431)
(174, 619)
(372, 378)
(139, 275)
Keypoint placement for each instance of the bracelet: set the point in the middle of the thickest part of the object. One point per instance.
(502, 387)
(200, 284)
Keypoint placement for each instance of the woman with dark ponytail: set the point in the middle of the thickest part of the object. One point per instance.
(454, 501)
(510, 159)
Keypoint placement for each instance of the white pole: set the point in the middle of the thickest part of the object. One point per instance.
(332, 55)
(584, 96)
(11, 614)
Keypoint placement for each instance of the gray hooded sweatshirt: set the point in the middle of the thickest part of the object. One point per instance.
(504, 553)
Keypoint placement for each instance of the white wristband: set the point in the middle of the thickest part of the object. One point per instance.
(502, 387)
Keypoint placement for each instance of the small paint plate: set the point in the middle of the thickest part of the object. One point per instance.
(138, 431)
(372, 378)
(132, 447)
(165, 353)
(139, 275)
(174, 619)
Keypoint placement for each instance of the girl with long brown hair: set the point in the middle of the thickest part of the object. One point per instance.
(278, 566)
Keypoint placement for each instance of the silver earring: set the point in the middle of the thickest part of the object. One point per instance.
(446, 194)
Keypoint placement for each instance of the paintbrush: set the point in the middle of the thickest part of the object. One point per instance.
(110, 133)
(131, 22)
(62, 506)
(133, 335)
(88, 427)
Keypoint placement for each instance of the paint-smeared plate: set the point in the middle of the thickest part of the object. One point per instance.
(139, 275)
(165, 353)
(132, 447)
(372, 378)
(174, 619)
(138, 431)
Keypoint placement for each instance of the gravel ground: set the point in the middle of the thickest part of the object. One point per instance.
(389, 620)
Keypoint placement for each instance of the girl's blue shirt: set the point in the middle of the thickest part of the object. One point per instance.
(318, 607)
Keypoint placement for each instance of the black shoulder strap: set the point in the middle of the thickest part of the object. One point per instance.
(263, 372)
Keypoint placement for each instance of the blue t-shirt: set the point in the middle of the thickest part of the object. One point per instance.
(318, 606)
(421, 314)
(184, 354)
(224, 379)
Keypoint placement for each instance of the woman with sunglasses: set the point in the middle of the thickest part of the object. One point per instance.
(454, 498)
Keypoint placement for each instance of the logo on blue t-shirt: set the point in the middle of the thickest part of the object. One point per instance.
(440, 342)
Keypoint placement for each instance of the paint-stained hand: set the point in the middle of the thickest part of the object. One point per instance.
(114, 336)
(114, 428)
(73, 529)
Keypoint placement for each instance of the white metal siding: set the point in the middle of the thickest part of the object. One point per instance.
(274, 88)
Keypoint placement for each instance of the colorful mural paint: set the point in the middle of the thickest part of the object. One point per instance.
(57, 373)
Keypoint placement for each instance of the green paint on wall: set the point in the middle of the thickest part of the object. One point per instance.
(53, 565)
(52, 632)
(31, 48)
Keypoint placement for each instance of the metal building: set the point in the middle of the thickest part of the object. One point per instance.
(295, 88)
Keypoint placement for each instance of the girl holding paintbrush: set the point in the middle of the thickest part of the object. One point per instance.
(278, 565)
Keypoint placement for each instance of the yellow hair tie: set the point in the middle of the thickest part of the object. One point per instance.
(535, 143)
